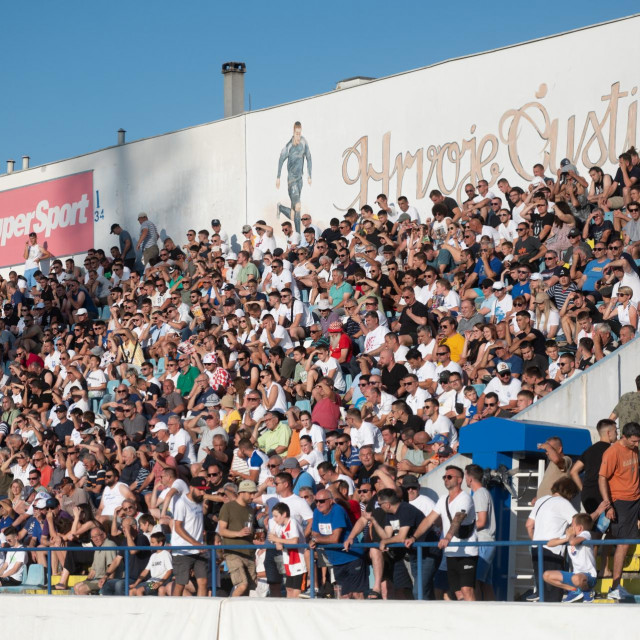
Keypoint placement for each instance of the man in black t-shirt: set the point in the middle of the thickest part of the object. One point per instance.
(392, 372)
(626, 176)
(64, 428)
(452, 206)
(368, 467)
(402, 520)
(596, 228)
(414, 315)
(527, 248)
(586, 470)
(405, 418)
(526, 334)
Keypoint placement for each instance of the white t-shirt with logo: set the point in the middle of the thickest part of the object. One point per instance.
(159, 563)
(506, 392)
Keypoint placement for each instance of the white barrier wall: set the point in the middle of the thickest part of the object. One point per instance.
(486, 116)
(26, 616)
(593, 394)
(246, 618)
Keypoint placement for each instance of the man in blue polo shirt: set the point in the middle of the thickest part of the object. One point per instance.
(331, 525)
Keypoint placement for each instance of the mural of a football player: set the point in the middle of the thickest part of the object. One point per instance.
(295, 152)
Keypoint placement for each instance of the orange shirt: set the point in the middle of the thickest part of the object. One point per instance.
(294, 445)
(620, 467)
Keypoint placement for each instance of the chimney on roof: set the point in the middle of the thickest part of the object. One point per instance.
(121, 133)
(233, 73)
(10, 165)
(25, 162)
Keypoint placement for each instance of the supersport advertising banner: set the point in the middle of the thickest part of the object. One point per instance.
(60, 211)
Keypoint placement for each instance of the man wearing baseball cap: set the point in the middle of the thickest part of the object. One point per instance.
(188, 529)
(235, 526)
(504, 385)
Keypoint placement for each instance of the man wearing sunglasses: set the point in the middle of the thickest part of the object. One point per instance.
(631, 230)
(458, 515)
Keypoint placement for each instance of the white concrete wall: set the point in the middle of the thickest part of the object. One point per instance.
(485, 116)
(268, 619)
(593, 394)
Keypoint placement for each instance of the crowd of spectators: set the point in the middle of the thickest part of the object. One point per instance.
(294, 386)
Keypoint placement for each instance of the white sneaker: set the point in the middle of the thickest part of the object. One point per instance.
(619, 593)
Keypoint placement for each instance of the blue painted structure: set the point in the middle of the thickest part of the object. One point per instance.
(493, 442)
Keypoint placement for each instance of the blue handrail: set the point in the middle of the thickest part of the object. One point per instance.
(211, 549)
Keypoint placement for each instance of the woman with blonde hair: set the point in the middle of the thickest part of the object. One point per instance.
(622, 307)
(15, 495)
(547, 318)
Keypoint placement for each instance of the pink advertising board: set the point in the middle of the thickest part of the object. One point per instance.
(60, 211)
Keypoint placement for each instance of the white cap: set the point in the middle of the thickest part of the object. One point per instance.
(231, 256)
(81, 312)
(160, 426)
(239, 313)
(324, 304)
(209, 358)
(498, 285)
(536, 276)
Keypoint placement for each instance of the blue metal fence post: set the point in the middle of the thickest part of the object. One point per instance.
(419, 572)
(540, 572)
(49, 571)
(212, 556)
(126, 572)
(312, 571)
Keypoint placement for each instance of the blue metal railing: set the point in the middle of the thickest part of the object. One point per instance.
(211, 550)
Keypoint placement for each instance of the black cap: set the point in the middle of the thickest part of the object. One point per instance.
(198, 483)
(161, 402)
(410, 482)
(114, 226)
(215, 222)
(61, 407)
(574, 233)
(564, 272)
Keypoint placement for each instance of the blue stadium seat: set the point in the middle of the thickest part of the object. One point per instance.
(32, 578)
(304, 405)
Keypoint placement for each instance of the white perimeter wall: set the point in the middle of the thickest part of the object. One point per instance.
(246, 618)
(487, 116)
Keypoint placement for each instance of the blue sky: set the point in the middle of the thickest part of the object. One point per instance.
(75, 72)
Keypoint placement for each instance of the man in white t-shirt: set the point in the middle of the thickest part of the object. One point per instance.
(374, 334)
(499, 304)
(326, 366)
(458, 517)
(437, 424)
(180, 443)
(274, 335)
(415, 498)
(416, 396)
(505, 386)
(362, 432)
(486, 528)
(293, 238)
(188, 529)
(174, 490)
